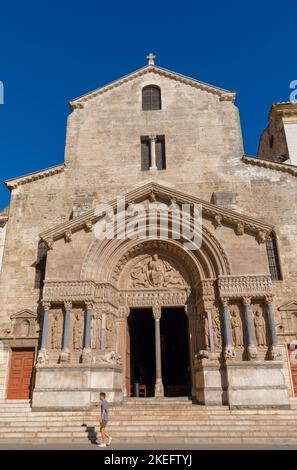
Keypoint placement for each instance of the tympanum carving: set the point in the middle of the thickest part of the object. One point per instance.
(155, 272)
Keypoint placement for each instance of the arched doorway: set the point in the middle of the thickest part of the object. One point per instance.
(175, 352)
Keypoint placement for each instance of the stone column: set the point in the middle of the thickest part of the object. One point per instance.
(210, 331)
(103, 333)
(251, 341)
(153, 139)
(65, 354)
(87, 352)
(43, 354)
(159, 388)
(229, 352)
(192, 315)
(44, 337)
(121, 329)
(274, 351)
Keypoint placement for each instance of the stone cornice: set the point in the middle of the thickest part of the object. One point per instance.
(283, 167)
(37, 175)
(224, 95)
(282, 110)
(65, 230)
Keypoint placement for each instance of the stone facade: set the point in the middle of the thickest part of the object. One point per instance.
(240, 320)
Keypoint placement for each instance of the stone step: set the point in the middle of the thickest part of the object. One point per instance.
(147, 416)
(156, 440)
(30, 427)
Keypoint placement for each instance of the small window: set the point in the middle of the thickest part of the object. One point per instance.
(145, 154)
(147, 146)
(273, 259)
(271, 139)
(151, 98)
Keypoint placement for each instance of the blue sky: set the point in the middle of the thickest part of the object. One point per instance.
(53, 51)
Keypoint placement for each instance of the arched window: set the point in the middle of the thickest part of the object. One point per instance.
(273, 259)
(151, 98)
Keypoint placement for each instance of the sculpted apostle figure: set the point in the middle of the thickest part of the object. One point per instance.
(236, 326)
(259, 323)
(77, 332)
(55, 332)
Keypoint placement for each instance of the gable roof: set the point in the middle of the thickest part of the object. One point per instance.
(36, 175)
(224, 95)
(283, 167)
(220, 214)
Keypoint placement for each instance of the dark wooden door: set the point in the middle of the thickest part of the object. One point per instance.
(21, 372)
(293, 364)
(128, 362)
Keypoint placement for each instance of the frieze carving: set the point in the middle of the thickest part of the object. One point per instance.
(245, 286)
(155, 272)
(150, 297)
(56, 291)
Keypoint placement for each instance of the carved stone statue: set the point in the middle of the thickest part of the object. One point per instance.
(156, 271)
(95, 332)
(237, 335)
(110, 331)
(77, 332)
(111, 357)
(55, 338)
(260, 329)
(205, 330)
(217, 331)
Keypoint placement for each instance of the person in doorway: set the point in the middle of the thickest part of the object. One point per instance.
(105, 437)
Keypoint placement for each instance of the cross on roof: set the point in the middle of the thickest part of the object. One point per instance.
(151, 58)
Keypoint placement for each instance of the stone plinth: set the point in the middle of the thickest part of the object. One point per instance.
(68, 387)
(258, 384)
(210, 382)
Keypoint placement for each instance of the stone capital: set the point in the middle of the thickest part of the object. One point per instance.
(89, 305)
(46, 305)
(68, 305)
(225, 301)
(247, 300)
(157, 312)
(124, 312)
(269, 299)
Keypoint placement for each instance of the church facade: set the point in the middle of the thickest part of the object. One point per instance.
(145, 315)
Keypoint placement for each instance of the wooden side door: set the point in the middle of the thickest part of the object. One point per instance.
(293, 364)
(20, 375)
(128, 362)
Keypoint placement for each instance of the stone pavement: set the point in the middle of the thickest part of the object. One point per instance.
(154, 447)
